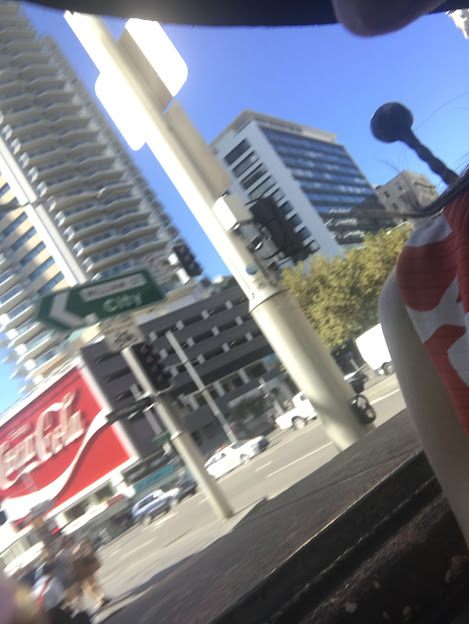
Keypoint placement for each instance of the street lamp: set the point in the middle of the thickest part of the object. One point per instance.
(203, 184)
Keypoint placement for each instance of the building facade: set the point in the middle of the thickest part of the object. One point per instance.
(406, 193)
(228, 351)
(461, 20)
(310, 176)
(86, 211)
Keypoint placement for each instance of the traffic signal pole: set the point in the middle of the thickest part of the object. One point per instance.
(182, 440)
(203, 184)
(201, 386)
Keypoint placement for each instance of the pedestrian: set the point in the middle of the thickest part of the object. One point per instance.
(49, 595)
(85, 565)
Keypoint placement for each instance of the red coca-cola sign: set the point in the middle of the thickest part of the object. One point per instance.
(58, 445)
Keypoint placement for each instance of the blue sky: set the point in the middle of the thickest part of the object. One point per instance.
(320, 76)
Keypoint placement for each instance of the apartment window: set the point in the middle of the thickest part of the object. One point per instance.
(34, 252)
(237, 152)
(12, 227)
(51, 283)
(217, 310)
(249, 180)
(40, 270)
(10, 293)
(22, 239)
(214, 353)
(228, 325)
(245, 164)
(256, 370)
(238, 342)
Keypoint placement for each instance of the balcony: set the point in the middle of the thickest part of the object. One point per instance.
(16, 317)
(96, 161)
(4, 261)
(100, 263)
(76, 134)
(86, 229)
(56, 188)
(45, 363)
(93, 246)
(31, 144)
(113, 205)
(30, 114)
(147, 244)
(106, 177)
(7, 279)
(50, 153)
(26, 332)
(125, 216)
(10, 300)
(38, 128)
(57, 170)
(136, 230)
(38, 346)
(34, 66)
(53, 96)
(47, 81)
(12, 98)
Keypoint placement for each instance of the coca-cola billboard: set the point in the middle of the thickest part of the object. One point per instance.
(58, 445)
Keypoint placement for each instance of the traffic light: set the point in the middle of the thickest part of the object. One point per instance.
(269, 217)
(187, 260)
(154, 368)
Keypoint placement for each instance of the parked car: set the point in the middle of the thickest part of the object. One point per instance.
(184, 487)
(234, 455)
(299, 416)
(146, 509)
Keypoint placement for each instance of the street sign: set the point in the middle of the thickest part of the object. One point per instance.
(121, 332)
(89, 303)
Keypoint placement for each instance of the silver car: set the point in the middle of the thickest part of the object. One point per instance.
(146, 509)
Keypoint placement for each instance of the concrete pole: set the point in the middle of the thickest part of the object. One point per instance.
(201, 386)
(181, 439)
(202, 183)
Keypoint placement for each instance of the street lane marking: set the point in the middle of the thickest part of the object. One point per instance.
(157, 525)
(271, 474)
(386, 396)
(262, 467)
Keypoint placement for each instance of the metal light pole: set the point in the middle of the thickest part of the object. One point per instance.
(201, 386)
(203, 184)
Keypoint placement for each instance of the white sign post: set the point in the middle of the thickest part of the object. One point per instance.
(121, 332)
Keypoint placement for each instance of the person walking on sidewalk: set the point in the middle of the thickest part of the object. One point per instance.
(85, 564)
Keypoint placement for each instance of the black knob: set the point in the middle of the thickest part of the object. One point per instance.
(392, 122)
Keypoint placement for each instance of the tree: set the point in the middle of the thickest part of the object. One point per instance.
(340, 295)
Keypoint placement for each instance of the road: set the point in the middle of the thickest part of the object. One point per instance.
(144, 555)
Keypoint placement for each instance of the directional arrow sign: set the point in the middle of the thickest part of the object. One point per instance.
(89, 303)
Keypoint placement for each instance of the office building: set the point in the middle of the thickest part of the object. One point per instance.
(311, 177)
(406, 193)
(461, 20)
(88, 213)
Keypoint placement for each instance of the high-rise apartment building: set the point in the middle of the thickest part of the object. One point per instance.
(87, 212)
(311, 177)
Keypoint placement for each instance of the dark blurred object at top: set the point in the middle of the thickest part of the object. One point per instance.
(219, 12)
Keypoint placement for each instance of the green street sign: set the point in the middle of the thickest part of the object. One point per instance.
(89, 303)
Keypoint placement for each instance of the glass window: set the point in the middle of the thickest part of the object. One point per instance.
(51, 283)
(237, 152)
(34, 252)
(286, 208)
(245, 164)
(22, 239)
(44, 266)
(295, 220)
(12, 227)
(10, 293)
(254, 176)
(304, 233)
(262, 188)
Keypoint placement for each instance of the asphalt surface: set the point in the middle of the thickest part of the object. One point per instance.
(145, 556)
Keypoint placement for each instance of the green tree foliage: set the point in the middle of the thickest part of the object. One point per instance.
(340, 296)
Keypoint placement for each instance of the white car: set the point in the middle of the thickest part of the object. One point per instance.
(232, 456)
(299, 416)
